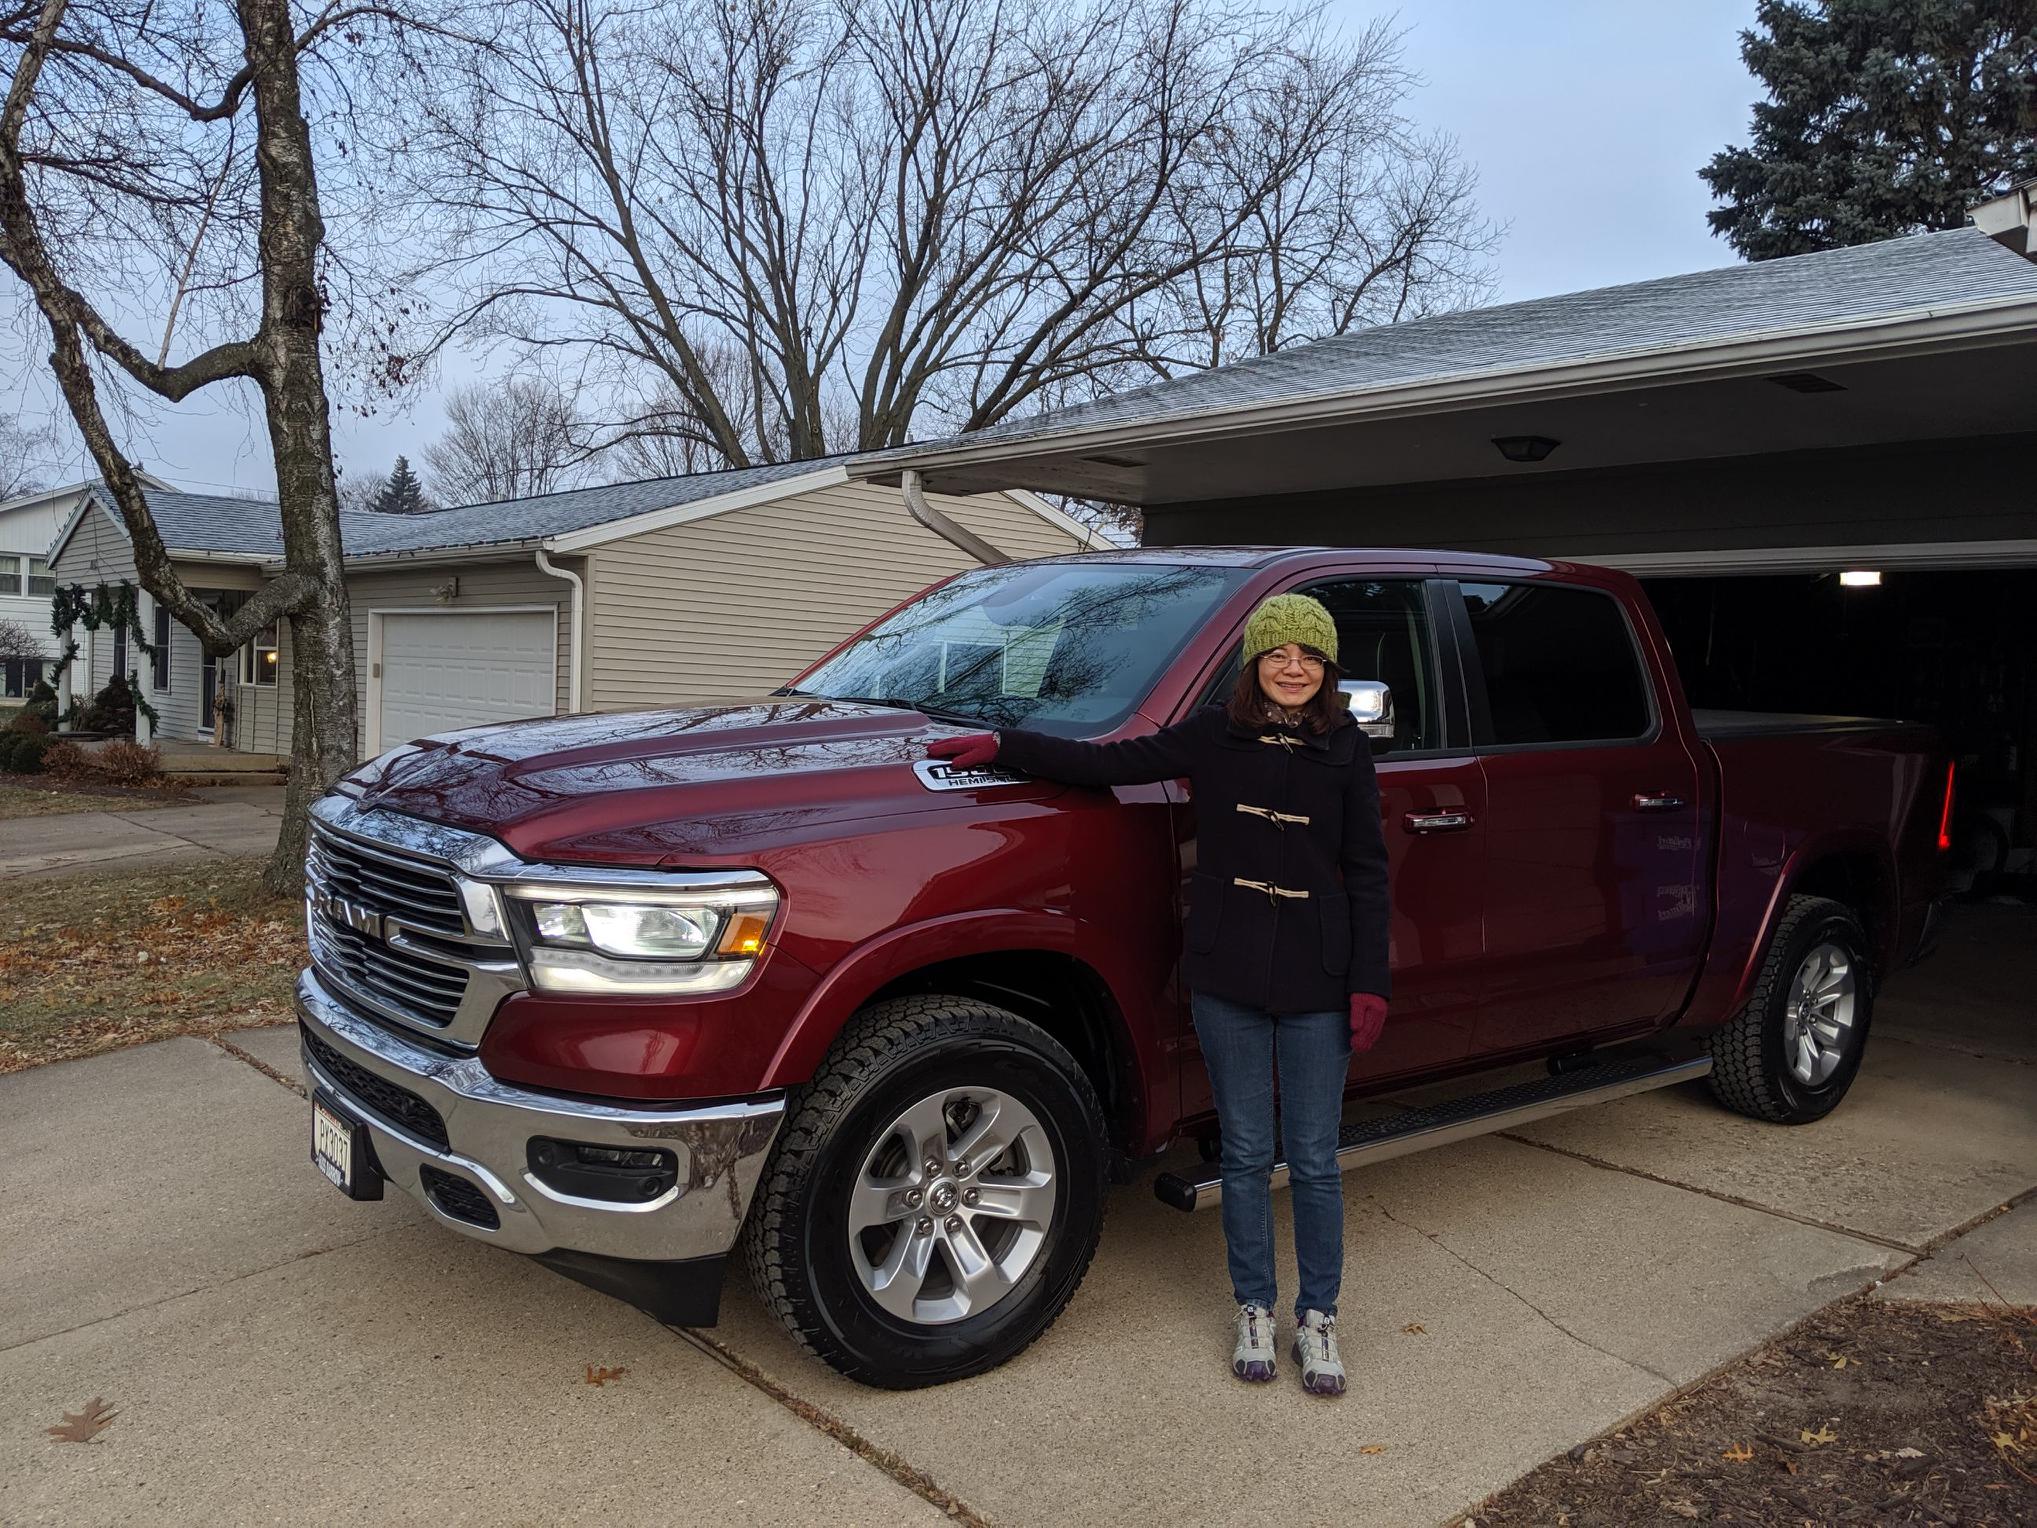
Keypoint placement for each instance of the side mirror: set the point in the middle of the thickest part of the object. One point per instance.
(1372, 703)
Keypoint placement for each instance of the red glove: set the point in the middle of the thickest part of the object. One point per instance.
(1368, 1018)
(972, 750)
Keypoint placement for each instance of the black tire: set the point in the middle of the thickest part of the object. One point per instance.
(797, 1240)
(1751, 1073)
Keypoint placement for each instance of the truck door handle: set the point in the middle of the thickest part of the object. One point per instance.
(1645, 801)
(1436, 822)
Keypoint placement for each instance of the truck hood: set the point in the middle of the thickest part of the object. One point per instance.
(696, 783)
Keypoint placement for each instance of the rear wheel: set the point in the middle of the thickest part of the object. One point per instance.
(936, 1195)
(1791, 1053)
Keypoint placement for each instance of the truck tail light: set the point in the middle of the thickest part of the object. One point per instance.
(1945, 816)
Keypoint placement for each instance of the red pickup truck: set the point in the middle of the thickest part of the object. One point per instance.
(625, 991)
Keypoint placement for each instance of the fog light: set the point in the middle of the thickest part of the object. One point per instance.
(613, 1174)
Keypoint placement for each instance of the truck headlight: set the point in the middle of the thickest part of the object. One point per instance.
(643, 936)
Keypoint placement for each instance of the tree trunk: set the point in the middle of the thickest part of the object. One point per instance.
(323, 736)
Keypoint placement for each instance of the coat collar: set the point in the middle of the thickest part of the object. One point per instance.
(1314, 742)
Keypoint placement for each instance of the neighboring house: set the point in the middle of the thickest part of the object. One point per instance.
(597, 599)
(29, 523)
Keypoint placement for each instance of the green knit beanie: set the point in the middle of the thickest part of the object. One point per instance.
(1289, 618)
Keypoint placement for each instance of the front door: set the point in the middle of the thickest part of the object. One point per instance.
(1594, 917)
(1432, 807)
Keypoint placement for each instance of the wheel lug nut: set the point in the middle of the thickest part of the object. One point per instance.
(970, 1196)
(961, 1169)
(933, 1168)
(954, 1222)
(925, 1226)
(912, 1198)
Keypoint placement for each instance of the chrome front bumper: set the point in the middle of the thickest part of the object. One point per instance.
(488, 1125)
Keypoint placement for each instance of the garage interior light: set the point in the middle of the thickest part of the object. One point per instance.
(1860, 578)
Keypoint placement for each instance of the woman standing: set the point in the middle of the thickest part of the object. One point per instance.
(1286, 947)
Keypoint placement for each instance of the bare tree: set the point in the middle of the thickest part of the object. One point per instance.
(900, 213)
(131, 133)
(25, 451)
(508, 441)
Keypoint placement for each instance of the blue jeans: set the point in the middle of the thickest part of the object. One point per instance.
(1239, 1046)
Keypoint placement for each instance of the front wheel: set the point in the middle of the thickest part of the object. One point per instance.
(1790, 1054)
(935, 1197)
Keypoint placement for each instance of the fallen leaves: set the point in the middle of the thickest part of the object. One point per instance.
(1739, 1453)
(1822, 1436)
(600, 1376)
(1414, 1329)
(1841, 1361)
(90, 965)
(1373, 1448)
(84, 1426)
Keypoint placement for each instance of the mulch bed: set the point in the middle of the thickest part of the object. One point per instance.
(1869, 1412)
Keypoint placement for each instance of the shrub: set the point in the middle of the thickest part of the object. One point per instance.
(23, 752)
(127, 764)
(42, 702)
(28, 721)
(66, 761)
(112, 709)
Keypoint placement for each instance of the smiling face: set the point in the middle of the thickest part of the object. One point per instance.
(1290, 675)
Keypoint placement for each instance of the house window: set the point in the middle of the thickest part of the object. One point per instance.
(258, 660)
(40, 580)
(159, 666)
(120, 652)
(19, 675)
(10, 573)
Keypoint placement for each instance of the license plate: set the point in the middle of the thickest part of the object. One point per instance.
(339, 1149)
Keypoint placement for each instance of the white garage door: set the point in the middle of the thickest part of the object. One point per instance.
(444, 672)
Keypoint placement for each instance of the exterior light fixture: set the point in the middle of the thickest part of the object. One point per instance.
(1525, 448)
(1860, 578)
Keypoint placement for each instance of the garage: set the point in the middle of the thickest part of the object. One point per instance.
(438, 671)
(1819, 466)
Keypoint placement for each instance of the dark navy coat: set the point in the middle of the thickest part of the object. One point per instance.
(1287, 909)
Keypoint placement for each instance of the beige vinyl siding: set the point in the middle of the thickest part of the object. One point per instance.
(738, 603)
(481, 585)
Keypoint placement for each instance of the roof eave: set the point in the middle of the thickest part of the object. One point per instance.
(1942, 326)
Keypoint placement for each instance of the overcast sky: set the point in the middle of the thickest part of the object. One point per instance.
(1587, 121)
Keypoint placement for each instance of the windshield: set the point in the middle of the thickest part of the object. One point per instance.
(1058, 647)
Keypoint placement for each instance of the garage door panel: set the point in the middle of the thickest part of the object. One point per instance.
(466, 669)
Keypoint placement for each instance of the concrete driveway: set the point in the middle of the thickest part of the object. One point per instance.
(275, 1352)
(217, 821)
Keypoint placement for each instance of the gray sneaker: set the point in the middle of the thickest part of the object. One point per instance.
(1252, 1358)
(1315, 1349)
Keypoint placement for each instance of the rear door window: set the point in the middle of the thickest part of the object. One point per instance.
(1560, 666)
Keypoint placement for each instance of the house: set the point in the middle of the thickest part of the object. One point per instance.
(29, 523)
(596, 599)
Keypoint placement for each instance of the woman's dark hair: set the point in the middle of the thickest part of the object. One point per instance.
(1249, 707)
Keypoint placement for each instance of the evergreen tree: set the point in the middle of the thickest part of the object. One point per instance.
(1883, 117)
(403, 494)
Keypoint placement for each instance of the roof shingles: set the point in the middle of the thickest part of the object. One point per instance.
(1832, 287)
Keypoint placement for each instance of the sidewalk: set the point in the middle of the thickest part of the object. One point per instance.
(219, 820)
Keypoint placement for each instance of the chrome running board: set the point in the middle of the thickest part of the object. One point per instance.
(1364, 1142)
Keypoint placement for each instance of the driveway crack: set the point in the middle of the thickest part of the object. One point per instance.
(1501, 1284)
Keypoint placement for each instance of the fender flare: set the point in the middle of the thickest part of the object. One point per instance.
(1797, 862)
(881, 960)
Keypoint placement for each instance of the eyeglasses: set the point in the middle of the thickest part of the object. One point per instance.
(1309, 662)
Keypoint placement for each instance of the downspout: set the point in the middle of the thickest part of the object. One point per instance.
(942, 526)
(579, 625)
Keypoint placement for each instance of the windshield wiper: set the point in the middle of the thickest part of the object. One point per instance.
(891, 703)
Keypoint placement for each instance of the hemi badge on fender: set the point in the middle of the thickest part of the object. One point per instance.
(937, 776)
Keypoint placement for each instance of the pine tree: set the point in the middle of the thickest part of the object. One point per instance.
(403, 494)
(1883, 117)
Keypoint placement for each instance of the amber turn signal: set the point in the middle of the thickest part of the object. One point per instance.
(744, 934)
